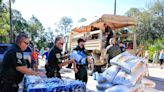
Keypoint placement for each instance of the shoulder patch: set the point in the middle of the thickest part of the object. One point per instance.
(19, 55)
(58, 55)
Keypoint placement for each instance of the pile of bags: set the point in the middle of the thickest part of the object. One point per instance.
(125, 75)
(38, 84)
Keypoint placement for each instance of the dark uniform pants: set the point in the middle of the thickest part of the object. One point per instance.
(8, 86)
(51, 72)
(161, 61)
(82, 73)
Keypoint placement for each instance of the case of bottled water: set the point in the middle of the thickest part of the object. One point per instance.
(38, 84)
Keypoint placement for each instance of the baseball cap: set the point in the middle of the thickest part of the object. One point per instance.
(80, 40)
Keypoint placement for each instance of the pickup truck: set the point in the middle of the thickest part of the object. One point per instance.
(26, 54)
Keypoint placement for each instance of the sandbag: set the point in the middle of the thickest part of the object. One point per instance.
(101, 79)
(131, 66)
(111, 72)
(125, 56)
(129, 79)
(128, 62)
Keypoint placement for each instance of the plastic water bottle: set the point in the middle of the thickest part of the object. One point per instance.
(95, 75)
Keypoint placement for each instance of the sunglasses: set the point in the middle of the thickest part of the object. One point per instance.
(61, 43)
(26, 43)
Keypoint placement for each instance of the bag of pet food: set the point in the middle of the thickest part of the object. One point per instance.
(111, 72)
(129, 79)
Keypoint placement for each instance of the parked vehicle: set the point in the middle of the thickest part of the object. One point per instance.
(26, 54)
(3, 48)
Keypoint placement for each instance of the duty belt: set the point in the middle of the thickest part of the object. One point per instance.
(81, 66)
(7, 80)
(4, 81)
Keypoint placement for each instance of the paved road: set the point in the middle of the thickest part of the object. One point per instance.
(155, 74)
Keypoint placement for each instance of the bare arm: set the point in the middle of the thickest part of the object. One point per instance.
(65, 63)
(25, 70)
(68, 62)
(65, 56)
(75, 67)
(105, 56)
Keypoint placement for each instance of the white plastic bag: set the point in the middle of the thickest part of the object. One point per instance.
(74, 54)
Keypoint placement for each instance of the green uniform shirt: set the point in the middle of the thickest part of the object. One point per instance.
(13, 58)
(113, 51)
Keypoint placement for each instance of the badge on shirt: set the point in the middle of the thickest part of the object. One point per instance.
(19, 61)
(59, 60)
(19, 55)
(58, 55)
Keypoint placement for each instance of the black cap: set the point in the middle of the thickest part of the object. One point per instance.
(80, 40)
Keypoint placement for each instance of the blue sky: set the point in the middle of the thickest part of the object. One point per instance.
(51, 11)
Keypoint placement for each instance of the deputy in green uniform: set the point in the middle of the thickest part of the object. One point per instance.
(14, 66)
(112, 50)
(55, 59)
(82, 64)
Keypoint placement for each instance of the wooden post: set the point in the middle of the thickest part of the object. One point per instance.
(134, 41)
(101, 37)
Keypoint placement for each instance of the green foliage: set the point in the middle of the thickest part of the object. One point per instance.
(41, 43)
(49, 35)
(36, 29)
(157, 8)
(149, 23)
(0, 1)
(157, 45)
(4, 25)
(133, 12)
(33, 27)
(65, 24)
(151, 49)
(149, 28)
(82, 20)
(19, 23)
